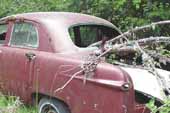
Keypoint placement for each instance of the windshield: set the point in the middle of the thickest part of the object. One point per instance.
(85, 35)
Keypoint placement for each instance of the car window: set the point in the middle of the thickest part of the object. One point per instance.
(88, 35)
(24, 35)
(84, 35)
(3, 31)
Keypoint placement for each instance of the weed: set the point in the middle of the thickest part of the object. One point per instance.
(12, 104)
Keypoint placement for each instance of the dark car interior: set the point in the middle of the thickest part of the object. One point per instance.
(2, 36)
(3, 31)
(85, 35)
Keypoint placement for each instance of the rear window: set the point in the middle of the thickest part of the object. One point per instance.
(84, 35)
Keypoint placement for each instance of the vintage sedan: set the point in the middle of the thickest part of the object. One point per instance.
(41, 57)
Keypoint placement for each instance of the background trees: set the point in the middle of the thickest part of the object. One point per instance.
(123, 13)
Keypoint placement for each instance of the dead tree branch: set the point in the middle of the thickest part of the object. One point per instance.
(129, 32)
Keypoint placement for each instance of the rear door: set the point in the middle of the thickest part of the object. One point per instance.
(3, 32)
(20, 58)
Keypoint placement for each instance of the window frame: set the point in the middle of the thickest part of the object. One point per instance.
(22, 46)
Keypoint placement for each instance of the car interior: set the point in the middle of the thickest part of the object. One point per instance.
(3, 31)
(85, 35)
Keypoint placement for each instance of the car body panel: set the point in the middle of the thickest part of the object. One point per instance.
(79, 96)
(146, 82)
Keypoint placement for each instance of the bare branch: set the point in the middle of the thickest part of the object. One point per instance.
(139, 28)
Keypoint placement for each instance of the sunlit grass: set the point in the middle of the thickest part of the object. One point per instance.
(11, 104)
(26, 109)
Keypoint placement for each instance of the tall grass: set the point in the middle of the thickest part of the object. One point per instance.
(12, 104)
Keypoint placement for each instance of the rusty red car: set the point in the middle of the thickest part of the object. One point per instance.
(41, 55)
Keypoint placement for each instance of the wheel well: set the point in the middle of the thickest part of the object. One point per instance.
(36, 97)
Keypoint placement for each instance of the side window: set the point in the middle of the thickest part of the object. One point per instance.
(84, 35)
(24, 35)
(88, 35)
(3, 31)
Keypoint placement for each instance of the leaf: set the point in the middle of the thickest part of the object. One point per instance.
(151, 105)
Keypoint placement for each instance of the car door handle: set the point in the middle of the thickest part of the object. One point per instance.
(30, 56)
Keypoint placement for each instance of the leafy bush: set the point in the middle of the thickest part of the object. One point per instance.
(165, 108)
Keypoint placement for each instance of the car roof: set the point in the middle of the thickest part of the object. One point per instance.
(68, 18)
(57, 24)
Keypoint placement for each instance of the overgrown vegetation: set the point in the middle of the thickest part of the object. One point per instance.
(125, 14)
(162, 109)
(12, 104)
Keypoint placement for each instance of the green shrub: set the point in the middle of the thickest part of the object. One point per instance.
(165, 108)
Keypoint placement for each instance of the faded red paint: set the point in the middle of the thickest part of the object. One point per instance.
(57, 58)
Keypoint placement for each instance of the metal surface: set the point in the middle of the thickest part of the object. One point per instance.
(146, 82)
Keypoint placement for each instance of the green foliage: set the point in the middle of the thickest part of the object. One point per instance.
(12, 103)
(165, 108)
(6, 101)
(27, 109)
(137, 3)
(123, 13)
(165, 52)
(151, 106)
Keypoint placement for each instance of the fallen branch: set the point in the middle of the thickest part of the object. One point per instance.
(158, 56)
(132, 31)
(148, 61)
(66, 84)
(129, 32)
(129, 48)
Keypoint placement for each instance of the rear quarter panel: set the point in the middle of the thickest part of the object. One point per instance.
(52, 71)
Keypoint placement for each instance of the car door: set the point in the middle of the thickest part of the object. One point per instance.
(3, 32)
(20, 58)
